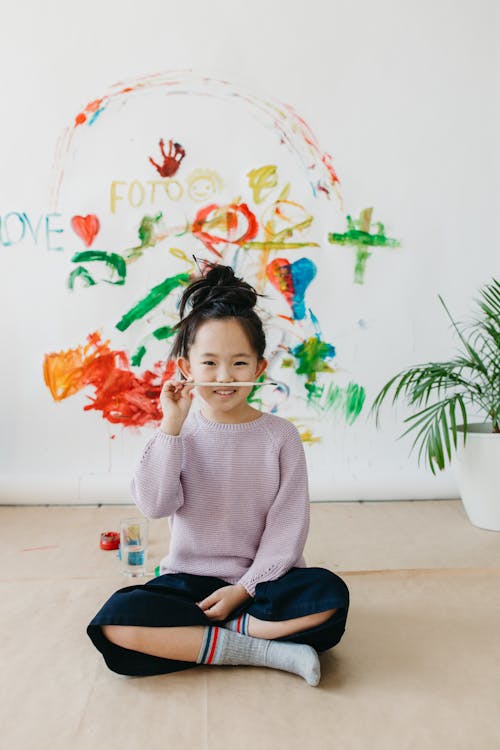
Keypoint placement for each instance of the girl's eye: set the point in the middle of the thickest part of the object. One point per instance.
(211, 363)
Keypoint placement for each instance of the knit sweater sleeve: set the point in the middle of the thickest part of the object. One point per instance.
(156, 486)
(287, 522)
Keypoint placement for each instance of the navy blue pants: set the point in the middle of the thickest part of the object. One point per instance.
(170, 600)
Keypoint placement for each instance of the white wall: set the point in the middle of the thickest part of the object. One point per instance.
(405, 98)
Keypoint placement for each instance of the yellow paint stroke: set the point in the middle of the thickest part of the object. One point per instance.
(365, 219)
(283, 219)
(203, 184)
(307, 437)
(178, 253)
(262, 178)
(280, 221)
(306, 434)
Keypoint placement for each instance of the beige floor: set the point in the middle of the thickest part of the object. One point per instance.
(418, 667)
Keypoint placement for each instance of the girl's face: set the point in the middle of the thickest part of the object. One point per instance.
(222, 353)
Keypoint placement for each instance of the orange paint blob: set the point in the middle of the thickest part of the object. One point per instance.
(121, 396)
(94, 106)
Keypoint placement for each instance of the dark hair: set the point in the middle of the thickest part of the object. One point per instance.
(218, 294)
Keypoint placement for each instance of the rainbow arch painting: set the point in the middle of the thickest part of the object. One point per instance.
(261, 220)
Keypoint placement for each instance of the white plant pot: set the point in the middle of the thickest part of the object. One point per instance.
(478, 474)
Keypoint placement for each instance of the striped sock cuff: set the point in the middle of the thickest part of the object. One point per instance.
(208, 645)
(239, 624)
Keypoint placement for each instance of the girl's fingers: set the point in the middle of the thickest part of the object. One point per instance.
(208, 601)
(176, 388)
(214, 612)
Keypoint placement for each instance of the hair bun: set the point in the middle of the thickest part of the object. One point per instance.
(219, 286)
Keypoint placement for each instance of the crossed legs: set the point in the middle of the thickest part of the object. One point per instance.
(184, 643)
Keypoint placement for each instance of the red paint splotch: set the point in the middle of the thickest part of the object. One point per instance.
(218, 225)
(121, 396)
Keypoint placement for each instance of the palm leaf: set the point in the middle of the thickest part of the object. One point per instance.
(473, 375)
(470, 349)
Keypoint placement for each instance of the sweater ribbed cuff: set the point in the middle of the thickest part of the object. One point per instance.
(247, 586)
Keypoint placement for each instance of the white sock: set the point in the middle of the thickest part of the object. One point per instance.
(223, 646)
(238, 625)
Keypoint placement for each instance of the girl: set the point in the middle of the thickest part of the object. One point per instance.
(234, 587)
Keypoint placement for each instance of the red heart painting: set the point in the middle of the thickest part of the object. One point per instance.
(86, 227)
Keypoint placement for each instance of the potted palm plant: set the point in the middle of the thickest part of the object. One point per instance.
(471, 378)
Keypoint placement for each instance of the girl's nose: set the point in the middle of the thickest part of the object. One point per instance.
(225, 377)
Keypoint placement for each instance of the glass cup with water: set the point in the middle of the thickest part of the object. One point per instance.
(134, 546)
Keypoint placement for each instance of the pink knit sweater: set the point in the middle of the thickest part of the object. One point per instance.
(236, 495)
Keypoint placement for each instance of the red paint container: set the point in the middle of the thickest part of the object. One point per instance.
(110, 540)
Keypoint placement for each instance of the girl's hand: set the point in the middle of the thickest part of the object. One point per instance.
(175, 400)
(222, 602)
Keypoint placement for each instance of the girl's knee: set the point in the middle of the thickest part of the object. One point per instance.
(120, 635)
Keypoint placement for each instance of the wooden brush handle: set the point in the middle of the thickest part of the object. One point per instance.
(230, 385)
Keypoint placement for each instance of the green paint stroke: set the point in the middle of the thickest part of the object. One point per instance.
(358, 234)
(160, 334)
(113, 260)
(254, 397)
(146, 233)
(355, 398)
(156, 295)
(136, 358)
(323, 398)
(350, 400)
(82, 273)
(118, 263)
(311, 354)
(163, 333)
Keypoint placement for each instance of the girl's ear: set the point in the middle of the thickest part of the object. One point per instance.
(184, 367)
(260, 369)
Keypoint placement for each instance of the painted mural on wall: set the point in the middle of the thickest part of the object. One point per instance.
(173, 166)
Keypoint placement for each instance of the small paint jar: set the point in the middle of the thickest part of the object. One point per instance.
(110, 540)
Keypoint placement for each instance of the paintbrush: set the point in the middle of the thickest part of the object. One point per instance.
(237, 383)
